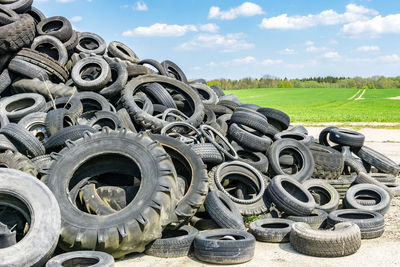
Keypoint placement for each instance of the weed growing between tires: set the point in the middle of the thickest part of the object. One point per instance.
(104, 154)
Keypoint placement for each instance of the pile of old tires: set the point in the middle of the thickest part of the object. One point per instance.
(104, 152)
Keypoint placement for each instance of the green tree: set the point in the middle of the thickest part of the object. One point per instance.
(285, 84)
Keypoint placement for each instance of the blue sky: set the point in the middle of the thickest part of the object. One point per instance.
(236, 39)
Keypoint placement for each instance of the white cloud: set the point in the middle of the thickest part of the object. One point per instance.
(313, 48)
(368, 48)
(271, 61)
(375, 26)
(76, 18)
(140, 6)
(309, 43)
(245, 60)
(287, 51)
(332, 55)
(227, 43)
(166, 30)
(391, 58)
(247, 9)
(326, 17)
(210, 27)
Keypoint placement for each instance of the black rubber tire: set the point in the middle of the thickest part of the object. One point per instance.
(150, 122)
(383, 198)
(73, 105)
(3, 120)
(57, 26)
(6, 79)
(82, 258)
(380, 161)
(36, 14)
(290, 196)
(17, 106)
(301, 151)
(346, 137)
(323, 135)
(364, 178)
(72, 133)
(24, 141)
(52, 67)
(325, 195)
(220, 110)
(372, 224)
(18, 34)
(249, 139)
(249, 177)
(5, 144)
(277, 117)
(342, 184)
(256, 159)
(143, 220)
(223, 210)
(35, 123)
(44, 218)
(155, 64)
(95, 84)
(317, 219)
(278, 232)
(119, 78)
(19, 6)
(217, 90)
(122, 51)
(92, 101)
(207, 95)
(218, 251)
(56, 120)
(7, 15)
(42, 164)
(46, 88)
(159, 94)
(202, 221)
(188, 165)
(383, 177)
(298, 129)
(90, 43)
(71, 43)
(302, 138)
(93, 203)
(328, 163)
(208, 153)
(173, 243)
(14, 160)
(61, 55)
(251, 119)
(171, 68)
(342, 240)
(26, 69)
(104, 118)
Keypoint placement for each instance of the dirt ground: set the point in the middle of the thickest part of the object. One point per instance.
(383, 251)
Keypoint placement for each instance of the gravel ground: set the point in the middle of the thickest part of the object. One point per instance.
(383, 251)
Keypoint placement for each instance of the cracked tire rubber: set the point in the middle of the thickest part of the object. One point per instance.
(372, 224)
(173, 244)
(133, 227)
(290, 196)
(328, 163)
(223, 211)
(277, 232)
(39, 244)
(82, 258)
(224, 246)
(342, 240)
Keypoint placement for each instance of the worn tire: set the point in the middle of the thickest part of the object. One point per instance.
(380, 161)
(328, 197)
(317, 219)
(14, 160)
(278, 232)
(17, 106)
(79, 258)
(16, 35)
(328, 163)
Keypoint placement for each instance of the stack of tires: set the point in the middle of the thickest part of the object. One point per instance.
(104, 152)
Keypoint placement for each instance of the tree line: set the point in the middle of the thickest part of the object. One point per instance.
(267, 81)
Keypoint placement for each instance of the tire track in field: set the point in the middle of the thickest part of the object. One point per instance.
(351, 98)
(360, 97)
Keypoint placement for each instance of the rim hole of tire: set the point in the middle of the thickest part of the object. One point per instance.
(323, 195)
(240, 186)
(20, 104)
(90, 105)
(120, 48)
(298, 161)
(293, 136)
(275, 225)
(89, 43)
(243, 154)
(358, 216)
(294, 191)
(52, 26)
(124, 173)
(15, 214)
(226, 237)
(175, 233)
(90, 72)
(104, 122)
(48, 49)
(80, 262)
(369, 194)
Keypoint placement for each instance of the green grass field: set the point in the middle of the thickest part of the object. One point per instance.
(327, 105)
